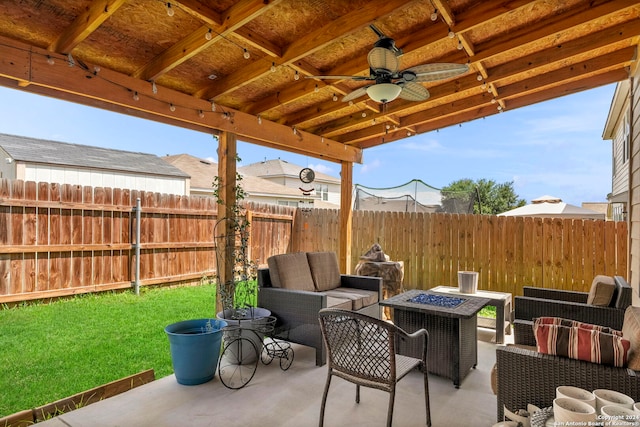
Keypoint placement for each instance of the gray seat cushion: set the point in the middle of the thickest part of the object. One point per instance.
(324, 270)
(359, 298)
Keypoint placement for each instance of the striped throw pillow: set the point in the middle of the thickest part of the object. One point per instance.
(574, 323)
(582, 344)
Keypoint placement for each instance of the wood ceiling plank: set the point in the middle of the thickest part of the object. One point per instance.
(196, 9)
(237, 16)
(86, 23)
(303, 46)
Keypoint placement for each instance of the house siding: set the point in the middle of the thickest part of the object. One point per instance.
(634, 208)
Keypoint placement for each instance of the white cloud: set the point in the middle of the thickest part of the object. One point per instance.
(370, 166)
(322, 168)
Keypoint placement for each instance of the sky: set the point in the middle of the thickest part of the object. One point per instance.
(551, 148)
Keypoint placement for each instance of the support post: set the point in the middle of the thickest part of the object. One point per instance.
(227, 154)
(346, 216)
(136, 284)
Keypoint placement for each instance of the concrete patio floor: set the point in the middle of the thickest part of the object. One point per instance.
(292, 398)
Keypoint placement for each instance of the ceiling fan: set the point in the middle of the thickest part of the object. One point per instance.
(389, 83)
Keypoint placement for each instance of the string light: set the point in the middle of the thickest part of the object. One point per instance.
(50, 60)
(434, 15)
(316, 89)
(295, 131)
(246, 54)
(460, 47)
(451, 34)
(259, 119)
(364, 114)
(479, 77)
(213, 106)
(296, 76)
(170, 10)
(154, 88)
(208, 35)
(201, 114)
(273, 67)
(493, 100)
(172, 107)
(335, 97)
(136, 97)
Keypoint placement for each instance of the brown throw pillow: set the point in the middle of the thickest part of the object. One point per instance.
(601, 291)
(583, 344)
(574, 323)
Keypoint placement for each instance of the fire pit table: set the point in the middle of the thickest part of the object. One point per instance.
(452, 325)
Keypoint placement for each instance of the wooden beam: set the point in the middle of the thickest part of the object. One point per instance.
(346, 216)
(112, 90)
(237, 16)
(86, 23)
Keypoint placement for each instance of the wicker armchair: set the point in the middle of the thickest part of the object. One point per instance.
(526, 376)
(538, 302)
(362, 350)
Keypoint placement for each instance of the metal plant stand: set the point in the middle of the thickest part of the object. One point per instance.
(240, 354)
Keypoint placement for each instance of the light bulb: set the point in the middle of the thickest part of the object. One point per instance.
(434, 15)
(479, 77)
(259, 120)
(201, 114)
(273, 67)
(460, 47)
(172, 107)
(296, 76)
(451, 34)
(50, 60)
(335, 97)
(493, 100)
(208, 35)
(154, 88)
(316, 89)
(213, 106)
(136, 97)
(246, 54)
(170, 10)
(364, 114)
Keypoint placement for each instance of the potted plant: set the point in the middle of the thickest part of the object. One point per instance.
(237, 288)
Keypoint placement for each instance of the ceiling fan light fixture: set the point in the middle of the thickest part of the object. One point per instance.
(384, 92)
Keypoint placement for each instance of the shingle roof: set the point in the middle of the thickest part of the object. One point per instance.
(279, 167)
(43, 151)
(203, 172)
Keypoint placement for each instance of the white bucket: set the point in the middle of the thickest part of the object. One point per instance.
(468, 282)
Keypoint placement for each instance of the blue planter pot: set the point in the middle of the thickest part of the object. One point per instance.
(195, 349)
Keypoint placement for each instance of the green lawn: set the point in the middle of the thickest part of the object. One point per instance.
(51, 351)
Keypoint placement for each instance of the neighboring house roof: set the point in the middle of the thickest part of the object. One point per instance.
(32, 150)
(203, 172)
(278, 167)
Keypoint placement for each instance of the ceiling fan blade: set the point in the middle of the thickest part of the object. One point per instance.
(432, 72)
(338, 77)
(413, 92)
(355, 94)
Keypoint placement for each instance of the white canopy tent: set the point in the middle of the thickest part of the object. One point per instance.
(553, 207)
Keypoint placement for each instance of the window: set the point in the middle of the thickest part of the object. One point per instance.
(322, 191)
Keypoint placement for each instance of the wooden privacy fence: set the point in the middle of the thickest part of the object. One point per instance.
(58, 240)
(508, 252)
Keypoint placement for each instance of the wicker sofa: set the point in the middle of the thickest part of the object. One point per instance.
(297, 286)
(526, 376)
(539, 302)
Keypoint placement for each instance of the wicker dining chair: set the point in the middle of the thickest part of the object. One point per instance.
(362, 350)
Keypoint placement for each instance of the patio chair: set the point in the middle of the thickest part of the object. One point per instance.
(604, 305)
(362, 350)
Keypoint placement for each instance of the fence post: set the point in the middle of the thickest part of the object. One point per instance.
(136, 283)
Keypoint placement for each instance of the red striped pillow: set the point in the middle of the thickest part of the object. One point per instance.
(574, 323)
(583, 344)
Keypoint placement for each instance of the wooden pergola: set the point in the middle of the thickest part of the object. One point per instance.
(239, 68)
